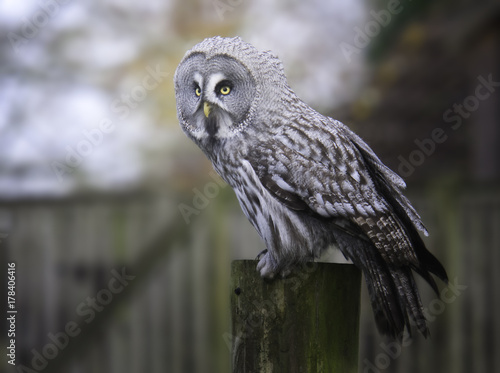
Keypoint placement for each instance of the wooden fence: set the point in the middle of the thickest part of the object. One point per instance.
(173, 315)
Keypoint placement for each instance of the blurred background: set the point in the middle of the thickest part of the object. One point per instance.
(123, 236)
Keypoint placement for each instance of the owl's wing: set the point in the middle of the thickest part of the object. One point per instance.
(320, 170)
(330, 171)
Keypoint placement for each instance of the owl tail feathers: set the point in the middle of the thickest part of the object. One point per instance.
(395, 301)
(393, 292)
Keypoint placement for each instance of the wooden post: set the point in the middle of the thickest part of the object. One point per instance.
(307, 322)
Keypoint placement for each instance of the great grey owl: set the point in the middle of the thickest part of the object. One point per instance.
(305, 181)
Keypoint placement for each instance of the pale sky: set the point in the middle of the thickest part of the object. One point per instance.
(52, 92)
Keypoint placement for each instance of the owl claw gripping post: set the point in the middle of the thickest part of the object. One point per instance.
(305, 181)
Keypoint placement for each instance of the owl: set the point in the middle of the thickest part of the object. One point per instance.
(305, 181)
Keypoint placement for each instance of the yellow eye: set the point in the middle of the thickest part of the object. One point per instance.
(224, 90)
(197, 91)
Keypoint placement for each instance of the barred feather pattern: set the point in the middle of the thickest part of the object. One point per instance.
(306, 181)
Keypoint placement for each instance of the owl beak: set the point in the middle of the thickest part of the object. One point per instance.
(207, 108)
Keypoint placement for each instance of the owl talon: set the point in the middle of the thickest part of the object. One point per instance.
(259, 255)
(266, 265)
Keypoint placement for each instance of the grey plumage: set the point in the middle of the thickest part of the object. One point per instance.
(305, 181)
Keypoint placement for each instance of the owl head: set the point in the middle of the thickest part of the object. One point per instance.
(219, 85)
